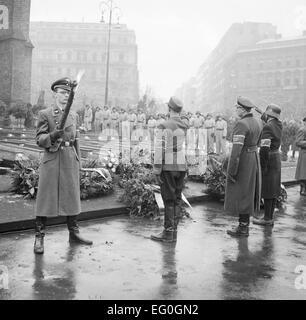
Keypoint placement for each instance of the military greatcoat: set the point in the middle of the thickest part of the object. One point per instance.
(59, 182)
(270, 159)
(300, 173)
(243, 183)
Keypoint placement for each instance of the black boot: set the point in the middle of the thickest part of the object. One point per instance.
(74, 232)
(169, 234)
(40, 225)
(267, 220)
(303, 188)
(243, 228)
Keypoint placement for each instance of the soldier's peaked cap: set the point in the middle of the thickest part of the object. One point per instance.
(63, 83)
(175, 104)
(245, 102)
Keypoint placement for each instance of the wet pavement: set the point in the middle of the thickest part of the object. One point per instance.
(124, 263)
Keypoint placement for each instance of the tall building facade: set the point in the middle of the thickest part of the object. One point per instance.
(271, 71)
(252, 59)
(62, 49)
(187, 94)
(15, 51)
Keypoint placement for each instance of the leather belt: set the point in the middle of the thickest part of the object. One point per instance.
(220, 129)
(251, 149)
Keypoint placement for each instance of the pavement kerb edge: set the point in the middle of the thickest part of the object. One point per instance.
(23, 225)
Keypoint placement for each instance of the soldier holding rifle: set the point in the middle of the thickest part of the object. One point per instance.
(59, 184)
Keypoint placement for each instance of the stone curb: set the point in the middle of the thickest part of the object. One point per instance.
(23, 225)
(28, 224)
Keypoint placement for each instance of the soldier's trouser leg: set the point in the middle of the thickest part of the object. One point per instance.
(269, 206)
(171, 187)
(40, 226)
(210, 140)
(74, 231)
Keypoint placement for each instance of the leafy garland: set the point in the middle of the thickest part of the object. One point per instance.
(25, 176)
(138, 192)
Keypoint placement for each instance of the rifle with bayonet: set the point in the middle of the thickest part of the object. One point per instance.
(74, 85)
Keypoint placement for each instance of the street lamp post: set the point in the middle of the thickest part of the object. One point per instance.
(111, 8)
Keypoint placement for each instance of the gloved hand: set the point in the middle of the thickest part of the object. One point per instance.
(56, 134)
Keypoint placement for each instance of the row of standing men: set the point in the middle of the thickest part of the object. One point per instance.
(103, 119)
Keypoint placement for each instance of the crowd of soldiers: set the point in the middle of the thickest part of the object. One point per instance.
(112, 118)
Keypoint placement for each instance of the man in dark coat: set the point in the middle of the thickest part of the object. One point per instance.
(242, 193)
(170, 167)
(270, 161)
(300, 173)
(59, 178)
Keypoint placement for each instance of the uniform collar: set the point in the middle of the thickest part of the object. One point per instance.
(248, 115)
(57, 108)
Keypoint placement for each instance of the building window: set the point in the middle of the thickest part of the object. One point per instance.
(277, 83)
(59, 56)
(297, 63)
(69, 56)
(297, 82)
(288, 63)
(287, 82)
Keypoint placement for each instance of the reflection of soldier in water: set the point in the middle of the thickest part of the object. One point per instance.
(54, 287)
(168, 287)
(241, 275)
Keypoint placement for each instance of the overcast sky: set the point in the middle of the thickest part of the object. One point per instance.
(175, 36)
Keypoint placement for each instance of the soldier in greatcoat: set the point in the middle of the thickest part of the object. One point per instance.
(170, 167)
(270, 161)
(242, 193)
(300, 173)
(59, 180)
